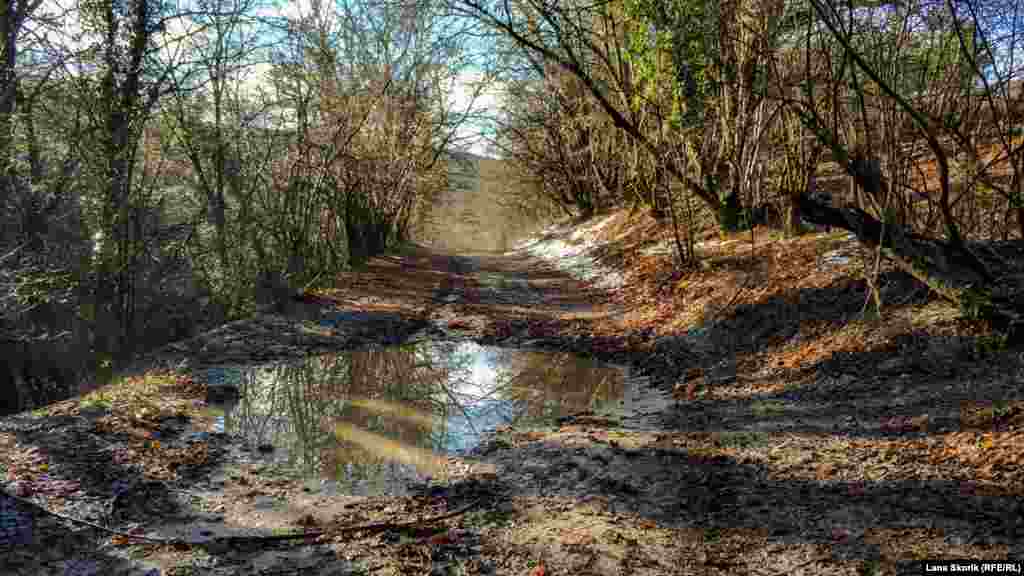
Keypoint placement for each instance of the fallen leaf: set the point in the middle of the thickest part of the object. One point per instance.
(968, 488)
(22, 489)
(856, 489)
(691, 390)
(986, 442)
(840, 534)
(440, 539)
(919, 422)
(825, 471)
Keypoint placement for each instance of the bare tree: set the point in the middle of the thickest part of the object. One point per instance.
(968, 273)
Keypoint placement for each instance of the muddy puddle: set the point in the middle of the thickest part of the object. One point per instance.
(384, 421)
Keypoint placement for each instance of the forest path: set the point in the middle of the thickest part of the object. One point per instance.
(512, 300)
(797, 459)
(174, 476)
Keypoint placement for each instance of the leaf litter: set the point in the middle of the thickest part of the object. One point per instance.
(797, 435)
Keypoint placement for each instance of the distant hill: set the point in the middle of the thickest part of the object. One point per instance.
(474, 214)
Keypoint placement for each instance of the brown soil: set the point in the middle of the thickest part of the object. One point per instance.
(781, 433)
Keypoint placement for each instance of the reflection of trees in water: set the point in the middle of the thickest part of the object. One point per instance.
(371, 419)
(400, 397)
(546, 385)
(287, 405)
(392, 397)
(454, 363)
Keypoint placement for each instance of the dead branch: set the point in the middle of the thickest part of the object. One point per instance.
(228, 540)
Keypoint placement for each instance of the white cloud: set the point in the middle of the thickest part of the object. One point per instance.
(255, 78)
(291, 9)
(470, 92)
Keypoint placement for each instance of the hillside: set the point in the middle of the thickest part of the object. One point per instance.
(478, 211)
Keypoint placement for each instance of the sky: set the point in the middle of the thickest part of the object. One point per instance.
(175, 42)
(460, 89)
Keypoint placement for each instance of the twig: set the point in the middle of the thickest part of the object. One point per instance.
(74, 520)
(371, 527)
(872, 279)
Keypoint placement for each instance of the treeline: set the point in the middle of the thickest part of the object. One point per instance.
(902, 122)
(169, 166)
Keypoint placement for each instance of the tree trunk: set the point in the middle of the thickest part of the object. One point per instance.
(729, 211)
(8, 96)
(941, 266)
(794, 218)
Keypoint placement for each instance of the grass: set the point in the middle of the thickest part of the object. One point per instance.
(403, 249)
(712, 535)
(493, 517)
(768, 408)
(741, 439)
(95, 400)
(988, 415)
(990, 344)
(149, 396)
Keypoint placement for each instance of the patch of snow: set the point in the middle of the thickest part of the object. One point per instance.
(583, 232)
(574, 259)
(835, 258)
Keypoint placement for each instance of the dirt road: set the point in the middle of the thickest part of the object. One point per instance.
(760, 477)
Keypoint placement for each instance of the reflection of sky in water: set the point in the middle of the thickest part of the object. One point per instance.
(466, 426)
(371, 421)
(478, 409)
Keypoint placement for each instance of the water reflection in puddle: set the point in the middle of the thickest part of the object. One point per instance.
(378, 420)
